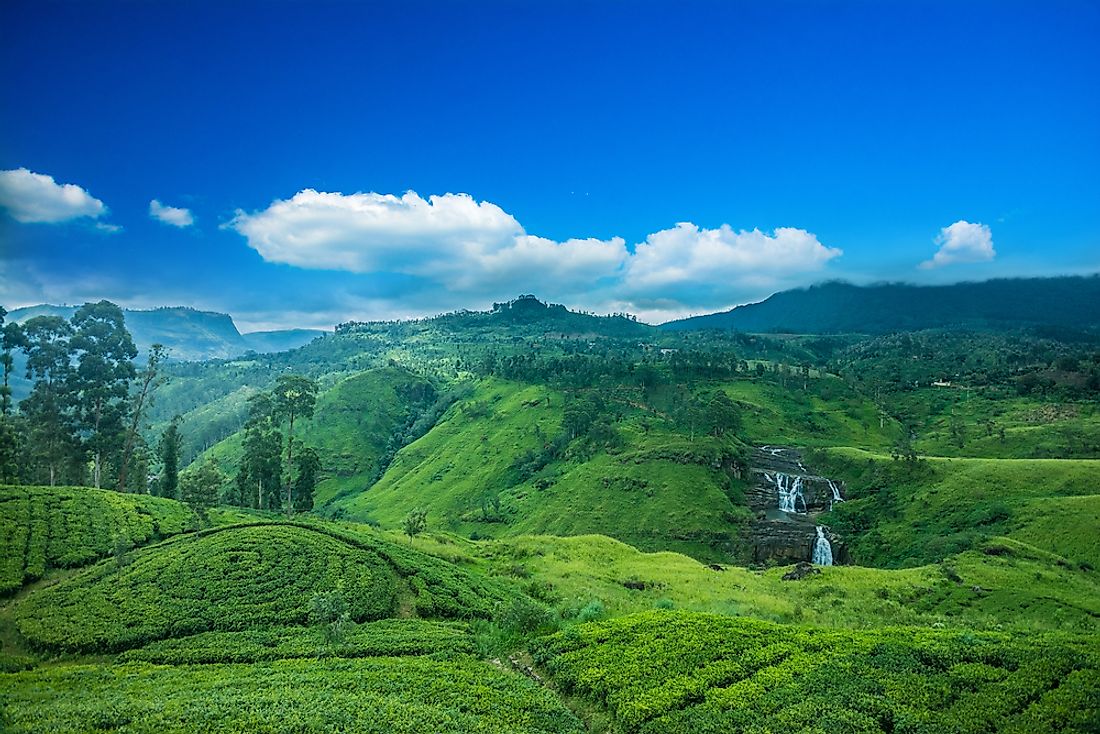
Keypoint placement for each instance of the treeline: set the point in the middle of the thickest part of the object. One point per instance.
(81, 423)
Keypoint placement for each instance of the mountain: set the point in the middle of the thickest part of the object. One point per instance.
(836, 307)
(188, 334)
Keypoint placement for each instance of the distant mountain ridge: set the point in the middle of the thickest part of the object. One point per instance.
(189, 334)
(1068, 302)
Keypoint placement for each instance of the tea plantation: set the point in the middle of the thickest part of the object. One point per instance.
(43, 528)
(664, 672)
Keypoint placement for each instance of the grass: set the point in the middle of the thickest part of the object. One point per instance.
(42, 528)
(904, 515)
(1021, 588)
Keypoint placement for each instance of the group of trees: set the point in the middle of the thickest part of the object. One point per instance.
(277, 472)
(81, 422)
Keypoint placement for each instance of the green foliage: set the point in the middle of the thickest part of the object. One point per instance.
(383, 638)
(678, 671)
(61, 527)
(231, 578)
(168, 451)
(329, 611)
(415, 522)
(201, 486)
(408, 695)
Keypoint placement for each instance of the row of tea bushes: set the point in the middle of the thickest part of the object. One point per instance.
(386, 637)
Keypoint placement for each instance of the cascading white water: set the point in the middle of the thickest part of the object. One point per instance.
(790, 491)
(836, 493)
(823, 549)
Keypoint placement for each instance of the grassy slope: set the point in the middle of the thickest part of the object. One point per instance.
(1032, 428)
(638, 494)
(1023, 589)
(828, 413)
(898, 517)
(654, 491)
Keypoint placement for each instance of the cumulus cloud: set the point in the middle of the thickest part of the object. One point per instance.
(464, 250)
(36, 198)
(962, 242)
(173, 215)
(466, 245)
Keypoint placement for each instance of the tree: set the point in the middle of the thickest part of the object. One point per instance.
(201, 486)
(309, 465)
(416, 522)
(329, 610)
(51, 440)
(141, 402)
(104, 353)
(260, 472)
(293, 397)
(168, 450)
(11, 337)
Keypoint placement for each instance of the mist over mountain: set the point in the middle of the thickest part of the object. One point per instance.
(837, 307)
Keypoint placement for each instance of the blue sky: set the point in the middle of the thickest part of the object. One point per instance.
(659, 158)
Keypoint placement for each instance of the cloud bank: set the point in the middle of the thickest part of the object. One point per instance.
(463, 248)
(175, 216)
(962, 242)
(36, 198)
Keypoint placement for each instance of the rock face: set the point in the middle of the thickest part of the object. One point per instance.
(781, 479)
(801, 570)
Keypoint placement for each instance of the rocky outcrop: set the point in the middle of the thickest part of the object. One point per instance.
(801, 570)
(784, 537)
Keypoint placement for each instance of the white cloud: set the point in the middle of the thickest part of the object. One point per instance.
(689, 256)
(173, 215)
(962, 242)
(463, 251)
(35, 197)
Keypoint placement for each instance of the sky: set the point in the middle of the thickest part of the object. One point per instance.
(303, 164)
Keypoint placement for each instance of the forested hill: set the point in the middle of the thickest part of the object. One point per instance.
(1063, 302)
(187, 333)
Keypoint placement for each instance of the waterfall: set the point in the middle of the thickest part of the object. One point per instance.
(823, 549)
(790, 491)
(836, 493)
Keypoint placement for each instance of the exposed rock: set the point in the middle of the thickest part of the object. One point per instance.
(715, 567)
(801, 570)
(788, 537)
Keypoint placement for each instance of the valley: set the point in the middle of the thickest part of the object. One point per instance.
(537, 520)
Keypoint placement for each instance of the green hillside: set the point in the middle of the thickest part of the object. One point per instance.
(901, 513)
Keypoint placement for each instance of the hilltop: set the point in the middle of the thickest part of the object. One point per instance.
(836, 307)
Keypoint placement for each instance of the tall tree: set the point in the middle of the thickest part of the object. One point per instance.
(260, 472)
(52, 445)
(104, 354)
(294, 397)
(309, 466)
(11, 337)
(140, 403)
(169, 447)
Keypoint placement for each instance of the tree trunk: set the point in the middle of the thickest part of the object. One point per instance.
(289, 461)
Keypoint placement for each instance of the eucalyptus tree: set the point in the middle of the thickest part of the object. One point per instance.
(11, 337)
(104, 353)
(260, 471)
(168, 451)
(150, 379)
(52, 444)
(293, 397)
